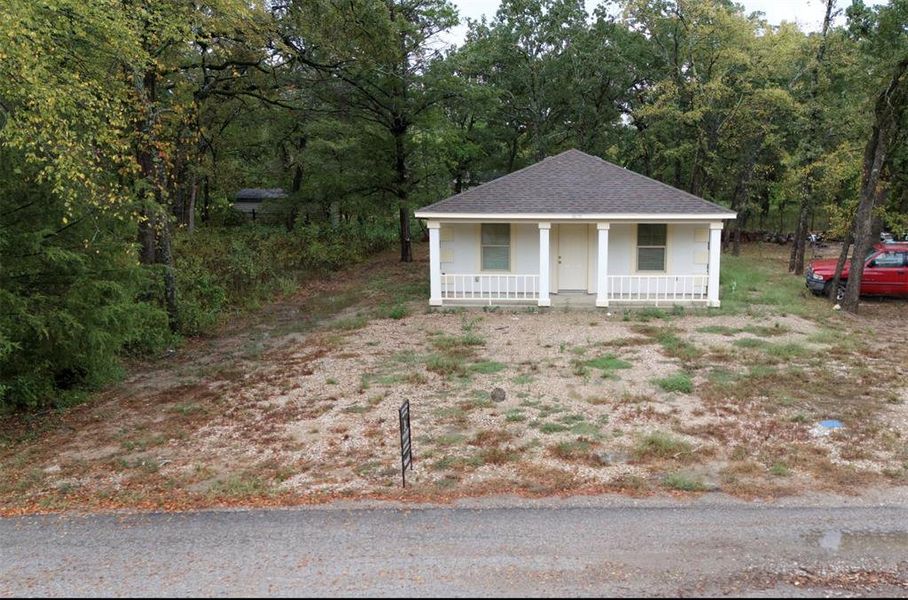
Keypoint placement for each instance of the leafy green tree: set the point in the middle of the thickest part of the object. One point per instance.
(885, 41)
(69, 279)
(375, 72)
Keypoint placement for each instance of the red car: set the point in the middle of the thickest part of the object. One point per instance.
(885, 272)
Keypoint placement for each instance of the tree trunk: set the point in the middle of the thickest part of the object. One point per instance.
(699, 178)
(811, 150)
(295, 185)
(298, 165)
(736, 244)
(876, 227)
(398, 127)
(796, 260)
(782, 223)
(400, 188)
(889, 109)
(148, 224)
(739, 202)
(512, 151)
(840, 266)
(178, 200)
(676, 180)
(154, 230)
(164, 257)
(190, 210)
(147, 238)
(406, 246)
(206, 200)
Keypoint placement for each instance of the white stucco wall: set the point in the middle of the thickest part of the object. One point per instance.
(687, 250)
(460, 248)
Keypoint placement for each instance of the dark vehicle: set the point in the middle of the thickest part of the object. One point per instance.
(885, 272)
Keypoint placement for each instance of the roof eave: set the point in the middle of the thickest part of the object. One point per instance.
(544, 217)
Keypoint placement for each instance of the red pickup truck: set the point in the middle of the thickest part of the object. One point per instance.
(885, 272)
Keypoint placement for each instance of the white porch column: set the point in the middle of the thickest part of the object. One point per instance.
(715, 254)
(544, 264)
(602, 265)
(434, 263)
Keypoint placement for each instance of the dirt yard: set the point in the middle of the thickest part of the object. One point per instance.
(299, 403)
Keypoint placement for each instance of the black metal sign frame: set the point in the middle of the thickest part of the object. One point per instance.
(406, 446)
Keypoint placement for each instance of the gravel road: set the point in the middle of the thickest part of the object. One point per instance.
(579, 547)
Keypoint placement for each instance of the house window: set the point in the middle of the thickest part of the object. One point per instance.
(496, 247)
(651, 247)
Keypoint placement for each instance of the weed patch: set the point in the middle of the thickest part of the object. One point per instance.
(683, 482)
(609, 362)
(487, 367)
(446, 365)
(786, 351)
(661, 445)
(515, 416)
(579, 450)
(549, 427)
(672, 345)
(679, 382)
(349, 323)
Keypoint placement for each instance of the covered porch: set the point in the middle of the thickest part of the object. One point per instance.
(588, 263)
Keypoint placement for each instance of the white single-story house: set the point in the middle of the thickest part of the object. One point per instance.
(578, 226)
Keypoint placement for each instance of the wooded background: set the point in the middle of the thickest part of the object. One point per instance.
(127, 125)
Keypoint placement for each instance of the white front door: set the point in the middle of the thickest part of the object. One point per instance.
(573, 254)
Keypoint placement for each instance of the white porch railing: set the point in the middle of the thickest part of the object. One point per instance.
(491, 287)
(656, 288)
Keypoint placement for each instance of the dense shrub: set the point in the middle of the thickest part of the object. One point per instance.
(70, 309)
(70, 297)
(229, 268)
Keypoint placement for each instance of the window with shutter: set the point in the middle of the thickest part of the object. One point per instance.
(496, 246)
(651, 240)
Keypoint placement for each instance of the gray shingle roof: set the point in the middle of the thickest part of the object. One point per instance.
(575, 183)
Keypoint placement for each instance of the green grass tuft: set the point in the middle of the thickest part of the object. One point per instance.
(447, 366)
(487, 367)
(398, 312)
(515, 416)
(780, 469)
(786, 351)
(750, 342)
(719, 330)
(684, 483)
(679, 382)
(349, 323)
(551, 427)
(608, 362)
(661, 445)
